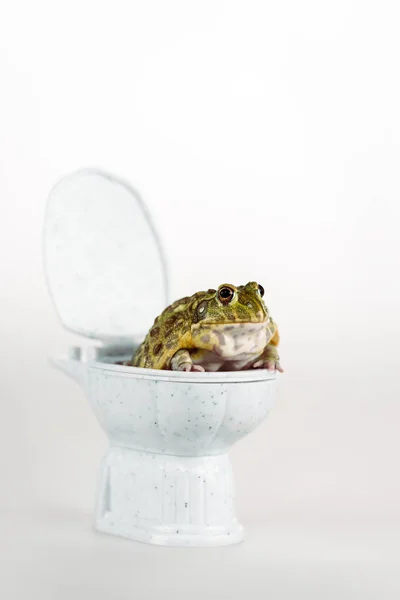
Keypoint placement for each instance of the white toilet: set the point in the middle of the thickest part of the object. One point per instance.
(166, 478)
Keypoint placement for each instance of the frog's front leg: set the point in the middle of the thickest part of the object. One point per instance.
(269, 359)
(182, 361)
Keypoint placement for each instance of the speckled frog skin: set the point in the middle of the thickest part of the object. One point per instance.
(228, 329)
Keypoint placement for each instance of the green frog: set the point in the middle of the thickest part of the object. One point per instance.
(227, 329)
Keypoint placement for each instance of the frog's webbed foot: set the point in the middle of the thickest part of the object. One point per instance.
(192, 367)
(181, 361)
(269, 360)
(271, 365)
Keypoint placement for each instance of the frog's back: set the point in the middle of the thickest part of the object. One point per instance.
(170, 332)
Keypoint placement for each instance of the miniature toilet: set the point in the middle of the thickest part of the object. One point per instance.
(166, 477)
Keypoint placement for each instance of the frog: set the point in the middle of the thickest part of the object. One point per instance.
(224, 329)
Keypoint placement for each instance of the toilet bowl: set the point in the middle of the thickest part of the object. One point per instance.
(166, 477)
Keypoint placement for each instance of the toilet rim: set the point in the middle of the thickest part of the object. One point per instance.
(107, 359)
(246, 376)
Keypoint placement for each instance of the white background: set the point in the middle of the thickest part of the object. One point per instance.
(265, 139)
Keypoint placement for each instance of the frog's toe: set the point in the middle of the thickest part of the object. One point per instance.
(259, 364)
(188, 366)
(273, 365)
(185, 366)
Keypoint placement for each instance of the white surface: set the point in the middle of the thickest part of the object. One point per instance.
(54, 553)
(167, 500)
(103, 263)
(266, 140)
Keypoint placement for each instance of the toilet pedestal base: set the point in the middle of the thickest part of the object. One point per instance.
(167, 500)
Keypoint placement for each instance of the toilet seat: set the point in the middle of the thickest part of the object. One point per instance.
(104, 264)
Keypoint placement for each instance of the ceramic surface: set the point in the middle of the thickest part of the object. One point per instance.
(167, 478)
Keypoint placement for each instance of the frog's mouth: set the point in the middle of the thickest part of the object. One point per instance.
(235, 329)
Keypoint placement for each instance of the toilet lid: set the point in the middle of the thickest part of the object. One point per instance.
(103, 261)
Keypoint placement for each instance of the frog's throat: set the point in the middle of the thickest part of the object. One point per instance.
(231, 340)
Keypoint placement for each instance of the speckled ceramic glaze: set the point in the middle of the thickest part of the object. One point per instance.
(166, 478)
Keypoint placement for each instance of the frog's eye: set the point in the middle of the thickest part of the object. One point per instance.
(225, 294)
(261, 290)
